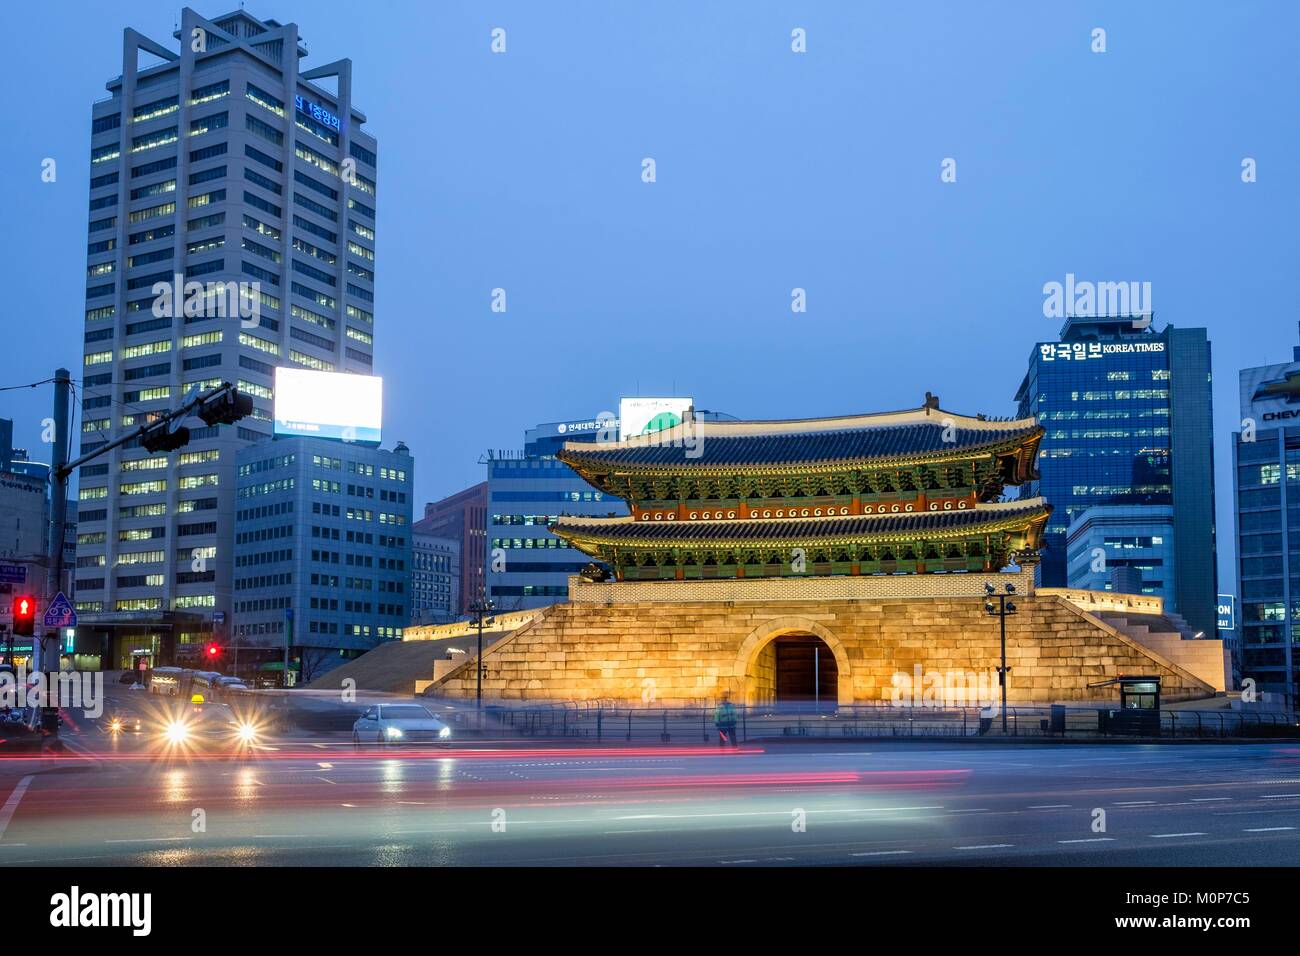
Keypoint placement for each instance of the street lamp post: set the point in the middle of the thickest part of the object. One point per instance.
(1004, 607)
(481, 608)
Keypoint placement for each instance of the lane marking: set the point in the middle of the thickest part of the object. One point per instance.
(1135, 803)
(985, 846)
(1208, 799)
(1050, 806)
(11, 805)
(882, 853)
(1170, 836)
(1090, 840)
(1279, 796)
(1265, 829)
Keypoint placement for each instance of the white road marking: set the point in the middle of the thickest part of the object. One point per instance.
(1209, 799)
(1134, 803)
(324, 766)
(327, 780)
(1265, 829)
(1089, 840)
(972, 810)
(985, 846)
(882, 853)
(1050, 806)
(11, 805)
(1170, 836)
(1279, 796)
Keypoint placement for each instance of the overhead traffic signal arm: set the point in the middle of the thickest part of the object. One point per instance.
(224, 405)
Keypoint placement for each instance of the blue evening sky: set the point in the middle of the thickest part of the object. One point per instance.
(775, 170)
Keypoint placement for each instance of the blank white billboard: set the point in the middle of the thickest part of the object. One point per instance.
(328, 405)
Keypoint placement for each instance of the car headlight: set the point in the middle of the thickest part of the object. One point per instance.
(393, 732)
(246, 732)
(115, 724)
(176, 732)
(445, 732)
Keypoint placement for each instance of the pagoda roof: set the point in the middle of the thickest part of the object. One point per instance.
(888, 438)
(1030, 515)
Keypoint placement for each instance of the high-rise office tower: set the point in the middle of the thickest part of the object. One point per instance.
(1130, 443)
(1266, 453)
(231, 230)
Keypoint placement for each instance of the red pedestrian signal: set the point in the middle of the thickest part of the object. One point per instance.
(24, 615)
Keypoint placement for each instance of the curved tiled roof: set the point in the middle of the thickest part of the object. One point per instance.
(627, 528)
(905, 441)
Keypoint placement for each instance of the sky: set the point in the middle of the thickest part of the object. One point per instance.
(774, 170)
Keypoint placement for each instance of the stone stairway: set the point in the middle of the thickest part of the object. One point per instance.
(1169, 635)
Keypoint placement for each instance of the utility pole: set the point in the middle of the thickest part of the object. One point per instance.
(48, 659)
(1002, 609)
(224, 405)
(288, 639)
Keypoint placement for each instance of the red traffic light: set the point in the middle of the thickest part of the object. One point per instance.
(213, 650)
(24, 615)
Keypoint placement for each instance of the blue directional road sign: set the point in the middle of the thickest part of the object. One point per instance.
(13, 574)
(60, 613)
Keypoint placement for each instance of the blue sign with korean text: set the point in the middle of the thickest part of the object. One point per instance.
(317, 112)
(13, 574)
(60, 612)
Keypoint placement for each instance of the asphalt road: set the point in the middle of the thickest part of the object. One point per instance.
(322, 802)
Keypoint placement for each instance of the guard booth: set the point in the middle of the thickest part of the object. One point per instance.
(1139, 706)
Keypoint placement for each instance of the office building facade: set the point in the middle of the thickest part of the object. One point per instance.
(231, 230)
(462, 517)
(1128, 418)
(435, 579)
(323, 549)
(1266, 459)
(1106, 538)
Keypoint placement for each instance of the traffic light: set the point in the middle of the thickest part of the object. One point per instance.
(225, 407)
(213, 651)
(158, 438)
(24, 615)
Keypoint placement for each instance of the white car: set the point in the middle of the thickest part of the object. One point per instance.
(399, 724)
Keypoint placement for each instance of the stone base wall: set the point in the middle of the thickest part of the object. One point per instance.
(685, 653)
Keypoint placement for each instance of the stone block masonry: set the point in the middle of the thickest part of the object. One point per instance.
(669, 647)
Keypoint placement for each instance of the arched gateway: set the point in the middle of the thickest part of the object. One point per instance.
(792, 660)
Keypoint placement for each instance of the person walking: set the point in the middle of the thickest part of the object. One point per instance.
(724, 718)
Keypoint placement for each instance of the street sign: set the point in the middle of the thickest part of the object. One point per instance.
(218, 617)
(13, 574)
(60, 612)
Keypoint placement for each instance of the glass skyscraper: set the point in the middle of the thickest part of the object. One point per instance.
(1267, 510)
(1128, 415)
